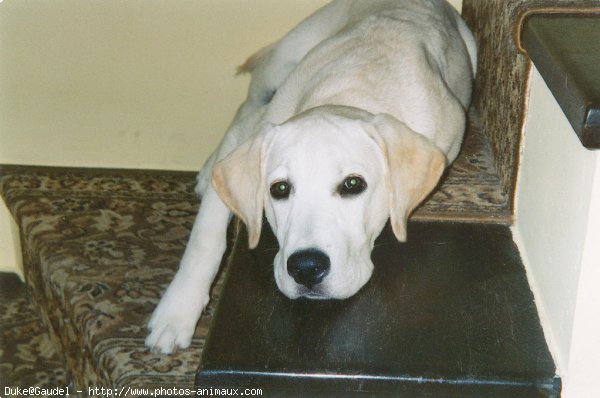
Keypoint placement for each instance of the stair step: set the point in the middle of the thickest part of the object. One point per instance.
(450, 313)
(100, 247)
(566, 51)
(28, 356)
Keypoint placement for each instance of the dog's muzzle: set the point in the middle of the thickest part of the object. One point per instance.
(308, 267)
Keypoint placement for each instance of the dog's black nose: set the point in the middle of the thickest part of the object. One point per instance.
(308, 267)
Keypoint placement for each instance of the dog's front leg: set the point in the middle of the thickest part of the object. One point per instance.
(173, 322)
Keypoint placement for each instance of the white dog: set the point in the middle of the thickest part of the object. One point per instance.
(350, 120)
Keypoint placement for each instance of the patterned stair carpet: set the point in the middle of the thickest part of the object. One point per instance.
(100, 247)
(28, 357)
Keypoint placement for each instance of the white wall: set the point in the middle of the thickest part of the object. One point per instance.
(584, 357)
(554, 226)
(10, 250)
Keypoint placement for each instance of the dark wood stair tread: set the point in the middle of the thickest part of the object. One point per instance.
(450, 313)
(566, 51)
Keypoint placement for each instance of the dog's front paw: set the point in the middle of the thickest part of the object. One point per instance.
(173, 323)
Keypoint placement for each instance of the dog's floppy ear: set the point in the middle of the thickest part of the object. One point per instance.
(238, 179)
(414, 167)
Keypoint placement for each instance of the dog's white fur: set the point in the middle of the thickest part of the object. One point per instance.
(373, 88)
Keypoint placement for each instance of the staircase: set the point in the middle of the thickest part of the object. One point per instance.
(447, 314)
(100, 246)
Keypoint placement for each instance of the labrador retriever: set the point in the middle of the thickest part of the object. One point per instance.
(350, 120)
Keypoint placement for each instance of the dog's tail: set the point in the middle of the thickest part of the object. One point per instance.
(255, 59)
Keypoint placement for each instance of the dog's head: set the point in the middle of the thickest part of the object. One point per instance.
(328, 179)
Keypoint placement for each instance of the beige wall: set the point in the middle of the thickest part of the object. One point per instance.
(135, 83)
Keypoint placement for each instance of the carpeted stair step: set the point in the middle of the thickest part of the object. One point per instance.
(28, 356)
(99, 248)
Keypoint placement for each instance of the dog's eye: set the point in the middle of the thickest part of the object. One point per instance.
(280, 190)
(352, 185)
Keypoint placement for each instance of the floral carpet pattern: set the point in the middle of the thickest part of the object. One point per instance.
(28, 358)
(100, 247)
